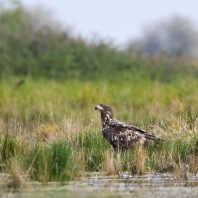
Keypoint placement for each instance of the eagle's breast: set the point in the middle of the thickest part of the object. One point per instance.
(105, 122)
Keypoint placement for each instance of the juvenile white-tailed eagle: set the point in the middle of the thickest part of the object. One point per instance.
(120, 135)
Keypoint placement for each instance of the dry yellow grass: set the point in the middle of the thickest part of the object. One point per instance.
(112, 163)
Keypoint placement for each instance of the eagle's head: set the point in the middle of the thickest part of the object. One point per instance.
(106, 113)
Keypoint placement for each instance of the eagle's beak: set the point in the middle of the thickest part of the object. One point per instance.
(98, 107)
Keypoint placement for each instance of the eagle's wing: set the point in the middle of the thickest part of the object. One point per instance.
(124, 138)
(131, 130)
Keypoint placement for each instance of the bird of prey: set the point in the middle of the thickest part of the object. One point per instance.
(120, 135)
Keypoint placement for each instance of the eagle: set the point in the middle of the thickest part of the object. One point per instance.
(121, 135)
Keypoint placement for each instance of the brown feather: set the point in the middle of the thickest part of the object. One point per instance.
(121, 135)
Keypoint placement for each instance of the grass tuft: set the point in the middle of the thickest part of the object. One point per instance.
(16, 179)
(113, 163)
(138, 165)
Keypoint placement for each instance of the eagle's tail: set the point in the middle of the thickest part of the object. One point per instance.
(151, 136)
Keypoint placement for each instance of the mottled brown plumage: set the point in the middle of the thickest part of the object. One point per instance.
(120, 135)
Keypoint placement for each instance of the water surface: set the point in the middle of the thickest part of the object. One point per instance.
(97, 185)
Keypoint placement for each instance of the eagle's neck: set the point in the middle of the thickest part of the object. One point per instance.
(106, 120)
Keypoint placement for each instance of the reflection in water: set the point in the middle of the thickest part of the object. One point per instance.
(97, 185)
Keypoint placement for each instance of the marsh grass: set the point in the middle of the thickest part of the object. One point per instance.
(138, 165)
(50, 132)
(113, 163)
(93, 146)
(16, 179)
(49, 162)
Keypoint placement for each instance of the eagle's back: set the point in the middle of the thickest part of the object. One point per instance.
(123, 136)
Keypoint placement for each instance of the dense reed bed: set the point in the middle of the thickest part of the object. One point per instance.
(49, 130)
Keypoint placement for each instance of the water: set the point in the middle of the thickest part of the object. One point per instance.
(97, 185)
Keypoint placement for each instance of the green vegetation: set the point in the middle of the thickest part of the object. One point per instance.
(50, 83)
(32, 47)
(53, 133)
